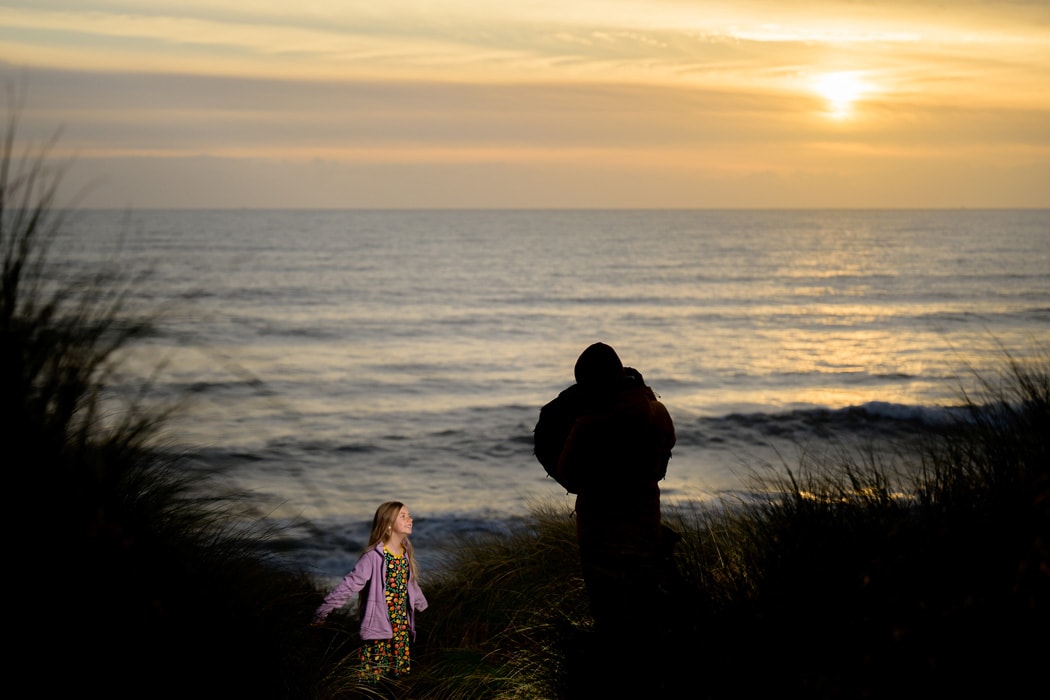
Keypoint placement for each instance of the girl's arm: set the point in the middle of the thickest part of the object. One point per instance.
(416, 597)
(351, 584)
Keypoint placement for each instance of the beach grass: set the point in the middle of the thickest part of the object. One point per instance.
(840, 577)
(130, 575)
(846, 576)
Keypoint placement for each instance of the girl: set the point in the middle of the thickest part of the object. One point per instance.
(387, 569)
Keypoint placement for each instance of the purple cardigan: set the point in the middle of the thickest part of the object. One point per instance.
(375, 618)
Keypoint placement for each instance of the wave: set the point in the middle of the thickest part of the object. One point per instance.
(329, 548)
(257, 386)
(873, 419)
(472, 468)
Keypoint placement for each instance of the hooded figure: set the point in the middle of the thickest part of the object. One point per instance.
(608, 440)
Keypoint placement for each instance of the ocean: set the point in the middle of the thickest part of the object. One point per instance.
(332, 360)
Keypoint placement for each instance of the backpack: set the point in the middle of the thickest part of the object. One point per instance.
(557, 418)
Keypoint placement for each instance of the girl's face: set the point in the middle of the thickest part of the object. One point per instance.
(402, 524)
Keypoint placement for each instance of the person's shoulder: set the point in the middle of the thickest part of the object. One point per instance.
(634, 381)
(365, 562)
(636, 390)
(569, 394)
(566, 400)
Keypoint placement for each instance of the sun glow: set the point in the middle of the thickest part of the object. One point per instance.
(841, 89)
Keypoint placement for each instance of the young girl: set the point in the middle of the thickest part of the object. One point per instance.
(387, 568)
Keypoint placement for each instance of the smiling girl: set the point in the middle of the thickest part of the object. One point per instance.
(386, 574)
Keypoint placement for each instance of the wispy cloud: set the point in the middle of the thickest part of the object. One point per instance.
(683, 91)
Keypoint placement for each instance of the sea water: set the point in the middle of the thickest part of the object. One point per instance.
(333, 360)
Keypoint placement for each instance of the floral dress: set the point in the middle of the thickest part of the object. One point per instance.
(390, 656)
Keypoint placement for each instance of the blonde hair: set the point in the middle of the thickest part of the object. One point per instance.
(383, 523)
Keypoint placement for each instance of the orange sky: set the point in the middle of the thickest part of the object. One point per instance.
(586, 103)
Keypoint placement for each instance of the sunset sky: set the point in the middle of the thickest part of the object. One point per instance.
(560, 103)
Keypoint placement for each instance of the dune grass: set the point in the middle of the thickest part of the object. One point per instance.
(848, 577)
(129, 575)
(844, 577)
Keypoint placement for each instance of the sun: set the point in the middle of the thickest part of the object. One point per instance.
(841, 89)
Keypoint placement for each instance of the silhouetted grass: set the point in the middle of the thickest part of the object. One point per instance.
(511, 609)
(846, 576)
(129, 575)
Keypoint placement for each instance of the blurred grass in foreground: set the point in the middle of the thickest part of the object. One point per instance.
(129, 575)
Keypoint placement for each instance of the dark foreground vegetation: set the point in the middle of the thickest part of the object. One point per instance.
(130, 576)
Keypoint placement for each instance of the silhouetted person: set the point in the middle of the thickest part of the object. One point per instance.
(608, 440)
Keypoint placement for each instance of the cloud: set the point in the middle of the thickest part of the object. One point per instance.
(530, 94)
